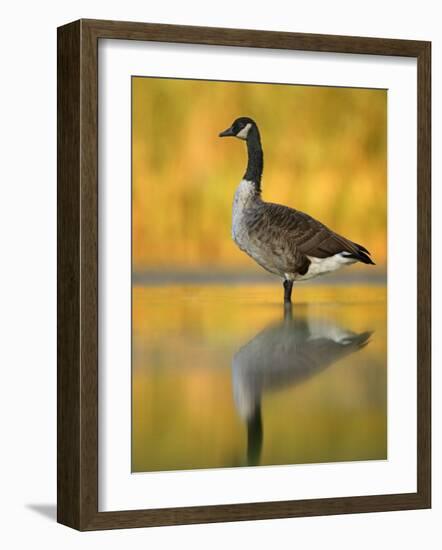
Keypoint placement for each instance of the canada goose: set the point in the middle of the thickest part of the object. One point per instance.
(284, 241)
(282, 355)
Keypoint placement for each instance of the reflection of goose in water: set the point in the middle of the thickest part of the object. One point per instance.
(282, 355)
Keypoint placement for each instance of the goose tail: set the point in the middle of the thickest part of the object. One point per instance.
(361, 255)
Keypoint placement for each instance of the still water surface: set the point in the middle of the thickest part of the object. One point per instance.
(225, 376)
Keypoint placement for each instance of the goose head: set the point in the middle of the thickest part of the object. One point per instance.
(240, 128)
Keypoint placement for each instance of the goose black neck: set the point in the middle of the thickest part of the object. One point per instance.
(255, 158)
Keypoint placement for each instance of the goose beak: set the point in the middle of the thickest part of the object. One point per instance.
(226, 133)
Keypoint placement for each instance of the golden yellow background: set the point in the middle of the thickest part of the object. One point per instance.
(324, 153)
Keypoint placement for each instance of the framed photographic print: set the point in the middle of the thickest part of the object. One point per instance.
(243, 274)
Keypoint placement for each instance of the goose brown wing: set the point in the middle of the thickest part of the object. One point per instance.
(309, 236)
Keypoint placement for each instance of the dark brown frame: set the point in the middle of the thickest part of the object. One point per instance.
(77, 224)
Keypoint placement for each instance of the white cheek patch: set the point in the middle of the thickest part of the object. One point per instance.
(242, 134)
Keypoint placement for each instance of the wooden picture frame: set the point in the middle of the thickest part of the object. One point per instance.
(77, 225)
